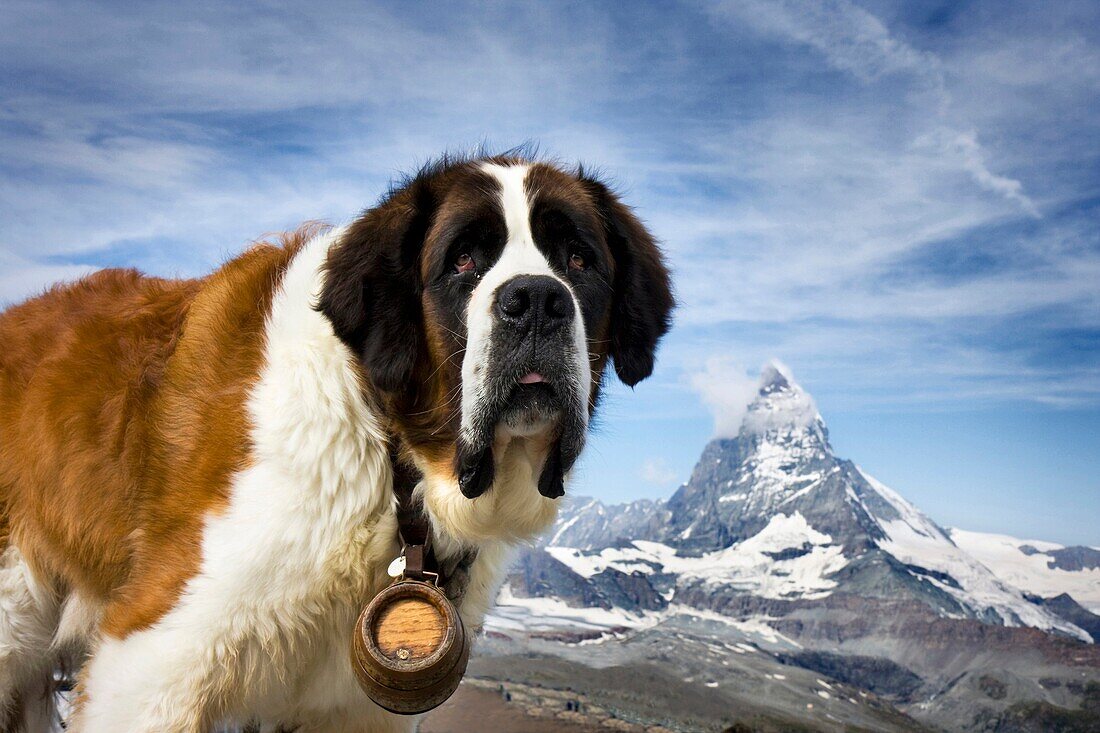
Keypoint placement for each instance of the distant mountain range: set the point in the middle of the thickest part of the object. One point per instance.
(777, 543)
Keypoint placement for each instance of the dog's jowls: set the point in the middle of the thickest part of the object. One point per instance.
(195, 475)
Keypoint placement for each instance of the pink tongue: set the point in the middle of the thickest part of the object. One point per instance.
(531, 378)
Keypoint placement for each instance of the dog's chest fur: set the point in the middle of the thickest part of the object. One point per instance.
(310, 526)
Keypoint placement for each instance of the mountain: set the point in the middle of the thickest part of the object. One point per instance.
(776, 542)
(775, 513)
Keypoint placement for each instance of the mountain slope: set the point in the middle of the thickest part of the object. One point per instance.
(1044, 569)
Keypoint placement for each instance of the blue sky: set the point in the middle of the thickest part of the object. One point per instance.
(900, 200)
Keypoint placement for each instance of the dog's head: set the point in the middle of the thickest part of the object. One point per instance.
(483, 300)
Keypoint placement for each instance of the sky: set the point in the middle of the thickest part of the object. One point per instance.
(899, 200)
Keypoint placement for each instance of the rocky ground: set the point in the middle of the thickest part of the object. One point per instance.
(480, 705)
(644, 685)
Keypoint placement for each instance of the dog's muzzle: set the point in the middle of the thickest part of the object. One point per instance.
(531, 385)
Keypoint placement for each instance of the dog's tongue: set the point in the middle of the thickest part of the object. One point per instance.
(532, 378)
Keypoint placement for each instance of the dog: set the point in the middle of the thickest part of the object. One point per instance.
(196, 475)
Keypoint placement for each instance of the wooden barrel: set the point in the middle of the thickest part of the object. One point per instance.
(409, 649)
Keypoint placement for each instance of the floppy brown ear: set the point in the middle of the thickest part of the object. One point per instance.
(643, 301)
(371, 293)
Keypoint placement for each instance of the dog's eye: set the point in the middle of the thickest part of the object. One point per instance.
(464, 263)
(577, 262)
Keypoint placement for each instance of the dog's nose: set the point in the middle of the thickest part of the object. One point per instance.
(535, 301)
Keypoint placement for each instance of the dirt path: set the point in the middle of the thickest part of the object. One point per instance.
(473, 709)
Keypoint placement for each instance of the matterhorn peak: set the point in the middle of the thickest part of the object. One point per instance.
(780, 405)
(774, 376)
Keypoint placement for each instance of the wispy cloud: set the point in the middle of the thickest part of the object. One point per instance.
(656, 471)
(853, 40)
(726, 388)
(971, 157)
(832, 186)
(847, 36)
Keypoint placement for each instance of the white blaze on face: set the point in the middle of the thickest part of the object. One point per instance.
(520, 256)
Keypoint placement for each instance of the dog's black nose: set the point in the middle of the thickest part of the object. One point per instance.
(535, 301)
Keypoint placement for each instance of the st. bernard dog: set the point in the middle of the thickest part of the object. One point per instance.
(195, 475)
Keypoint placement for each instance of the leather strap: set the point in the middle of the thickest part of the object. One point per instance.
(412, 523)
(416, 535)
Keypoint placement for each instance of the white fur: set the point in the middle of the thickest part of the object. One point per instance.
(78, 621)
(28, 616)
(513, 508)
(263, 630)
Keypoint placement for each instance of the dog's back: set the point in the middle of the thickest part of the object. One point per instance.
(79, 369)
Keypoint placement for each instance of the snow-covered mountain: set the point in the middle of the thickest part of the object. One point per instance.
(773, 513)
(793, 549)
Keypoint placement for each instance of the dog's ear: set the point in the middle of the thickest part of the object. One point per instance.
(371, 293)
(643, 301)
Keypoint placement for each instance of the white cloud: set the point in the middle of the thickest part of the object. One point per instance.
(656, 471)
(850, 38)
(149, 137)
(726, 389)
(854, 40)
(965, 147)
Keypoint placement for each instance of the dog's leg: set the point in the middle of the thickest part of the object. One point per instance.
(28, 620)
(160, 680)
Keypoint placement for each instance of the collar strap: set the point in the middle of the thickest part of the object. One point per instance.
(416, 536)
(412, 522)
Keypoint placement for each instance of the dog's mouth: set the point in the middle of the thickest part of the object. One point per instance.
(534, 406)
(527, 403)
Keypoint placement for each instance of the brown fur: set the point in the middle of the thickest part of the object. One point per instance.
(121, 419)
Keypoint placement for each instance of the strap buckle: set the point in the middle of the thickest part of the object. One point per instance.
(410, 565)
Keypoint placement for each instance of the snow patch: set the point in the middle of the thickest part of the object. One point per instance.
(1030, 572)
(751, 565)
(513, 613)
(781, 404)
(753, 627)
